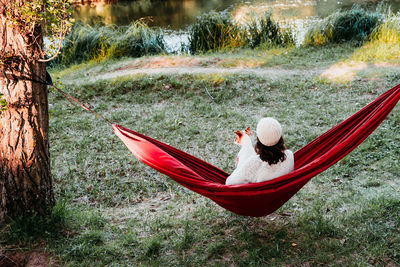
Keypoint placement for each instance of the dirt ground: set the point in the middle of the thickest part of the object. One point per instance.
(341, 71)
(29, 259)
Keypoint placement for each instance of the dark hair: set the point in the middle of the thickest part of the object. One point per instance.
(271, 154)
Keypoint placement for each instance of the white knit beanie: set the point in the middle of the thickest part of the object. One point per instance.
(269, 131)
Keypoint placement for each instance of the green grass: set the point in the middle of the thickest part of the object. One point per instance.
(125, 213)
(115, 211)
(305, 58)
(32, 228)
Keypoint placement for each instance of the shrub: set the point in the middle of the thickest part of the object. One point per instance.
(212, 31)
(264, 31)
(86, 42)
(353, 25)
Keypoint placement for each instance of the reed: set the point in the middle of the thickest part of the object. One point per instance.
(218, 30)
(86, 43)
(354, 25)
(262, 30)
(213, 31)
(383, 44)
(387, 32)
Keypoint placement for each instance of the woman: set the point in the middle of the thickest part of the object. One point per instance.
(270, 160)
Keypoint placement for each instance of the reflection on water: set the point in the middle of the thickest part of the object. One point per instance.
(178, 14)
(176, 42)
(175, 14)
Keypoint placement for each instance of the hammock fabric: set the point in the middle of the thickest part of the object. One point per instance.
(260, 199)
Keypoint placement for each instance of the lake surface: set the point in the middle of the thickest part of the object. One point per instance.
(178, 14)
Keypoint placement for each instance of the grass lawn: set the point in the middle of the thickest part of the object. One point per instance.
(288, 58)
(116, 211)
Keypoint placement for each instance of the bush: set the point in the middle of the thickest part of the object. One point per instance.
(353, 25)
(212, 31)
(264, 31)
(86, 42)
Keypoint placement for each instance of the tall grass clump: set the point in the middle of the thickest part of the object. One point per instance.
(387, 32)
(213, 31)
(383, 44)
(342, 26)
(264, 31)
(86, 42)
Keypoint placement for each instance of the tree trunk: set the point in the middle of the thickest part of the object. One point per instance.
(26, 186)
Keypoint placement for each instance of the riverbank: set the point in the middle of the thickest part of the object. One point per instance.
(372, 36)
(334, 62)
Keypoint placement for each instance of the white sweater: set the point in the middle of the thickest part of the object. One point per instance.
(253, 170)
(246, 150)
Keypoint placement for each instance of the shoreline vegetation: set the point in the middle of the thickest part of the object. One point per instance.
(113, 210)
(96, 43)
(218, 31)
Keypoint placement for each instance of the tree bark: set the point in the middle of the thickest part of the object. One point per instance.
(26, 186)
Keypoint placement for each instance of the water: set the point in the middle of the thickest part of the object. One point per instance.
(176, 41)
(178, 14)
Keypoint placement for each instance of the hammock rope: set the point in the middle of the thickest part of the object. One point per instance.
(256, 199)
(72, 100)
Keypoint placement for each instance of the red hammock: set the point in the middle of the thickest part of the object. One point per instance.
(260, 199)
